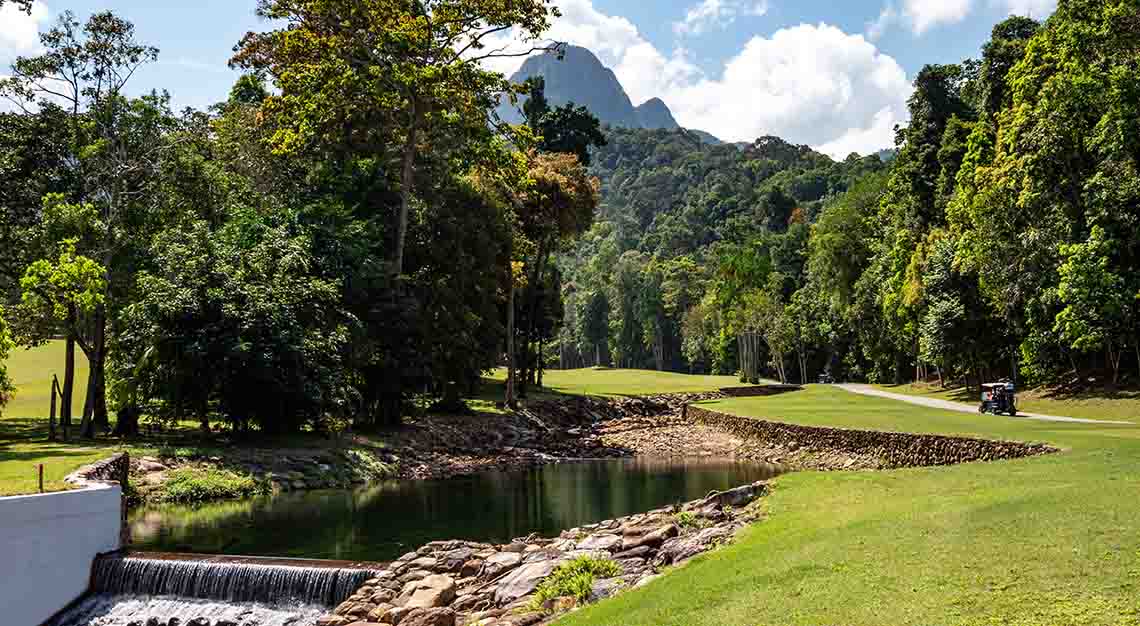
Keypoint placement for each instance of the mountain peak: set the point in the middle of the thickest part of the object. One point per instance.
(581, 78)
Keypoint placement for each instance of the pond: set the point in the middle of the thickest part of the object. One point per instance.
(382, 521)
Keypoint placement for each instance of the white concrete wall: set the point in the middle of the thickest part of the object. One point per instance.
(47, 544)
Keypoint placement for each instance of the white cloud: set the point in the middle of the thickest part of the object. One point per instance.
(19, 32)
(710, 14)
(926, 14)
(810, 84)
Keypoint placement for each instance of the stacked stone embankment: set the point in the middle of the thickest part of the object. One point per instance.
(891, 449)
(459, 583)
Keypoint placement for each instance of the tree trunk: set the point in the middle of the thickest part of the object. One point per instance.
(51, 419)
(101, 422)
(407, 183)
(540, 364)
(511, 400)
(1136, 346)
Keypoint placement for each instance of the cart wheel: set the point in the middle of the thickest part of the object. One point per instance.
(1013, 411)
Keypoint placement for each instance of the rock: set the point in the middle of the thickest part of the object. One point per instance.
(470, 568)
(148, 465)
(395, 614)
(432, 591)
(652, 538)
(522, 619)
(424, 562)
(609, 543)
(684, 548)
(498, 563)
(605, 588)
(452, 560)
(198, 621)
(378, 613)
(414, 575)
(429, 617)
(381, 596)
(515, 547)
(522, 581)
(638, 552)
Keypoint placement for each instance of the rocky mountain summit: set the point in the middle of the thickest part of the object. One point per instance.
(580, 77)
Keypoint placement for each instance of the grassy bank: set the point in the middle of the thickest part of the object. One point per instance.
(1045, 541)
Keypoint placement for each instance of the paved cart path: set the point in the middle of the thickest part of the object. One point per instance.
(935, 403)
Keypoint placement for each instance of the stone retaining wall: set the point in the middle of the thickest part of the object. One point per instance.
(752, 391)
(113, 470)
(893, 449)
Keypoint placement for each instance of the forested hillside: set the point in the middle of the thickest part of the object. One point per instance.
(1002, 239)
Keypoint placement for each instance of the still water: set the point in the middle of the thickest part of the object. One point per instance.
(382, 521)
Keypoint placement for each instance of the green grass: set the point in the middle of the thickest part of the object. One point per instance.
(602, 381)
(187, 485)
(1102, 405)
(1047, 541)
(575, 579)
(31, 371)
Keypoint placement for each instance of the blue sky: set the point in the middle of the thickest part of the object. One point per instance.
(833, 74)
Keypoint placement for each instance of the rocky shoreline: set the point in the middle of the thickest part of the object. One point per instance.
(462, 583)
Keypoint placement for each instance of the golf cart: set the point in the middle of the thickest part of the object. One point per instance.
(998, 398)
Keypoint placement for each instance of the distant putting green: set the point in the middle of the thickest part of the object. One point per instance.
(1046, 541)
(603, 381)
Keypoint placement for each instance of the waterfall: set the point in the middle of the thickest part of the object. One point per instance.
(227, 581)
(140, 591)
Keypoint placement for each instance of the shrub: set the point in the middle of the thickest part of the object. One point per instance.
(687, 519)
(195, 484)
(575, 579)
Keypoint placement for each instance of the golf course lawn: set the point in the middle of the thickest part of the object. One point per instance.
(1052, 540)
(603, 381)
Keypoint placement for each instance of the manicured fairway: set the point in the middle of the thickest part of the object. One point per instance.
(1046, 541)
(601, 381)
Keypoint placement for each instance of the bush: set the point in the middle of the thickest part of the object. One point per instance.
(575, 579)
(194, 484)
(687, 519)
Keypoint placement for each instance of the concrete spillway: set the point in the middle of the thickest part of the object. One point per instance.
(142, 591)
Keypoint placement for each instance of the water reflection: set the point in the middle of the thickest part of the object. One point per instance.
(382, 521)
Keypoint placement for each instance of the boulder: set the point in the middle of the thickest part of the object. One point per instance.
(609, 543)
(381, 596)
(429, 617)
(470, 568)
(652, 538)
(499, 563)
(522, 581)
(328, 620)
(432, 591)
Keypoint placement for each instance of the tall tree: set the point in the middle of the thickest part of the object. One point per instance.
(86, 66)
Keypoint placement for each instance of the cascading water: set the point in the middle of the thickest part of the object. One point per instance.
(134, 591)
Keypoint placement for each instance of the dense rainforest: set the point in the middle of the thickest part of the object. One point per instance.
(355, 233)
(999, 240)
